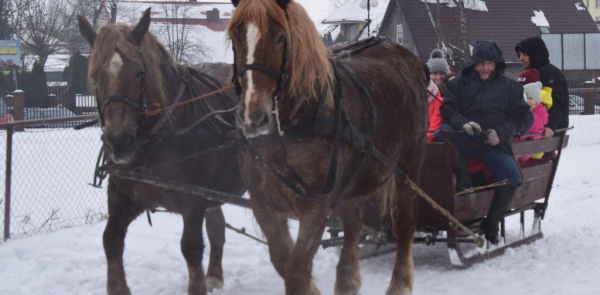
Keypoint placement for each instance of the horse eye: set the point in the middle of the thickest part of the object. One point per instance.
(279, 40)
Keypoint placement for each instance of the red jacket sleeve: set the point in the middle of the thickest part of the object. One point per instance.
(435, 118)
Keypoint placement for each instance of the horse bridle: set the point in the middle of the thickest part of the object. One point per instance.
(141, 105)
(280, 76)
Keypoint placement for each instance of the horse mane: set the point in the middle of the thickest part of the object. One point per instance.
(112, 38)
(309, 68)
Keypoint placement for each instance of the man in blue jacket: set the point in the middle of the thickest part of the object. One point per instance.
(490, 108)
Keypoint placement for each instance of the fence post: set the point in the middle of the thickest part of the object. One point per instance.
(19, 107)
(9, 137)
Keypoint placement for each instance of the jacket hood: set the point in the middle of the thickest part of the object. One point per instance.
(537, 51)
(482, 51)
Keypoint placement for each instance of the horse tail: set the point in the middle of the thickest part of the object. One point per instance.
(388, 193)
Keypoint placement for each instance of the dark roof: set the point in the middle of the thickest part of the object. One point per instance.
(506, 21)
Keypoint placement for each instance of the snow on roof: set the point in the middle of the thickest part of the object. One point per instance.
(351, 12)
(539, 19)
(164, 9)
(469, 4)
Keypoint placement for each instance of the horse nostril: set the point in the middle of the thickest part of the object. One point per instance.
(127, 140)
(261, 119)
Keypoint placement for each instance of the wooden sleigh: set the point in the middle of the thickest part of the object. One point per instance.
(438, 181)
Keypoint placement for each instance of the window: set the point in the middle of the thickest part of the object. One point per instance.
(400, 34)
(597, 3)
(349, 32)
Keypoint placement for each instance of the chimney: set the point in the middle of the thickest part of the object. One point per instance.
(212, 16)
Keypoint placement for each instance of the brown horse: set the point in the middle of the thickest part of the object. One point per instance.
(283, 68)
(132, 72)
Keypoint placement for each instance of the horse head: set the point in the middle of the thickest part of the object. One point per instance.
(260, 48)
(118, 72)
(279, 56)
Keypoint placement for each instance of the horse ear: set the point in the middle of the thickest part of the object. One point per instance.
(283, 3)
(235, 2)
(141, 28)
(86, 30)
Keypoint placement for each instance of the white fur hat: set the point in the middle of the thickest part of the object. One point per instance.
(533, 90)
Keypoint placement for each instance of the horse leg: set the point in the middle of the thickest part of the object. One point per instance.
(215, 229)
(297, 275)
(120, 215)
(348, 276)
(404, 220)
(274, 226)
(192, 248)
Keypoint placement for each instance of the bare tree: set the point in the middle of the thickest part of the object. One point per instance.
(91, 10)
(179, 36)
(96, 12)
(454, 39)
(338, 3)
(42, 27)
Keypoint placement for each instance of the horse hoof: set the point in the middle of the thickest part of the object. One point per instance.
(213, 283)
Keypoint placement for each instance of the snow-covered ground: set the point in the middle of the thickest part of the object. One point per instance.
(565, 261)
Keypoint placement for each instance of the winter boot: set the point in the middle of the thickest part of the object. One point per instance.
(492, 237)
(502, 197)
(463, 178)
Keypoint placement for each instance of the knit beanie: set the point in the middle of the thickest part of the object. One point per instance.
(437, 62)
(534, 90)
(529, 76)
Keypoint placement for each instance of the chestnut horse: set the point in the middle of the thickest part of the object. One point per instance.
(132, 72)
(286, 77)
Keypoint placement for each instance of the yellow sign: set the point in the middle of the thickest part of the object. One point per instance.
(8, 51)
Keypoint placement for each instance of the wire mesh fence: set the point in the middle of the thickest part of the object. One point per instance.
(52, 167)
(584, 107)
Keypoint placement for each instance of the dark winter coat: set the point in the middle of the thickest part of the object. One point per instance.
(550, 76)
(496, 103)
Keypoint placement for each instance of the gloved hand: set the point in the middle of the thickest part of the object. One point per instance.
(548, 133)
(472, 128)
(491, 138)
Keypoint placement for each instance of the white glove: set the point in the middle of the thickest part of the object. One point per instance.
(492, 138)
(472, 128)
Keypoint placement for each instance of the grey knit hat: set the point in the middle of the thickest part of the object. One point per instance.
(533, 90)
(437, 62)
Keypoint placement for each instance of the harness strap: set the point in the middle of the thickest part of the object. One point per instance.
(170, 110)
(360, 82)
(337, 132)
(300, 102)
(261, 68)
(118, 98)
(359, 141)
(213, 85)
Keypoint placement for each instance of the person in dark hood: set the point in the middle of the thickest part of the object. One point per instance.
(490, 108)
(533, 53)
